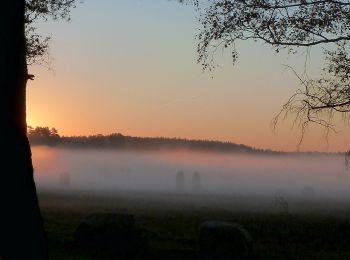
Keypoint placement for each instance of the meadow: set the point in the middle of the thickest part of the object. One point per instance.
(170, 221)
(294, 206)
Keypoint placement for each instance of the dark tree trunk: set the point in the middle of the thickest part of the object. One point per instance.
(21, 229)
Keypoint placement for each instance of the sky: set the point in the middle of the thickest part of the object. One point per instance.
(130, 67)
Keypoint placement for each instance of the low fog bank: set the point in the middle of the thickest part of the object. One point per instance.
(306, 177)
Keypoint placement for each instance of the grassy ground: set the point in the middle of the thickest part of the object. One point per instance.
(171, 221)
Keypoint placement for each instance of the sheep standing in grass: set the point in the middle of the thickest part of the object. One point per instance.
(180, 180)
(224, 240)
(196, 181)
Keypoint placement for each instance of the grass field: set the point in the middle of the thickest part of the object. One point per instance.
(313, 230)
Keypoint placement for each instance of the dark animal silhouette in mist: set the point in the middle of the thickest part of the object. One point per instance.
(180, 181)
(196, 181)
(224, 240)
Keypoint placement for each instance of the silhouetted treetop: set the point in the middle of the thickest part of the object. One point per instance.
(280, 23)
(36, 10)
(43, 135)
(42, 131)
(295, 26)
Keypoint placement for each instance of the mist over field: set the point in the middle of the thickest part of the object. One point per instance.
(108, 170)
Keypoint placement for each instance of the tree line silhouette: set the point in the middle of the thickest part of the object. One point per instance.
(50, 136)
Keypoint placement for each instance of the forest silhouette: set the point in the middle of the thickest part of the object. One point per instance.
(50, 137)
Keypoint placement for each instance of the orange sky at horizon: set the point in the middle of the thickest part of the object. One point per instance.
(282, 139)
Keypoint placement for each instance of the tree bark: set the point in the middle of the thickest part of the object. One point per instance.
(21, 227)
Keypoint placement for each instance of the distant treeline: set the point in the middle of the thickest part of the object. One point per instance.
(50, 137)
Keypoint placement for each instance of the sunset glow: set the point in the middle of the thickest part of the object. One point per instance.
(132, 69)
(175, 129)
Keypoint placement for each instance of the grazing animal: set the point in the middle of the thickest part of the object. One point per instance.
(180, 180)
(224, 240)
(114, 233)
